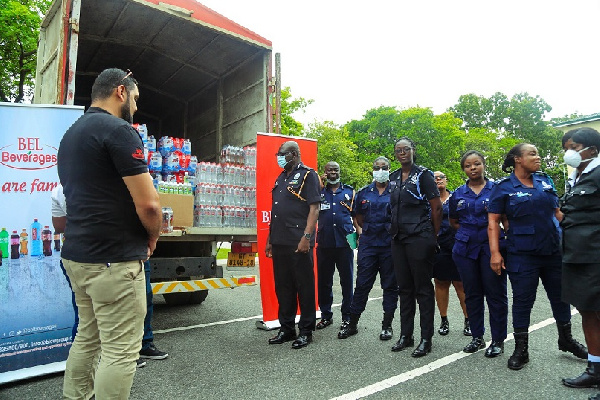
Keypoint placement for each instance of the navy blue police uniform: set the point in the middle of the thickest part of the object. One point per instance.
(294, 271)
(533, 244)
(444, 268)
(374, 254)
(413, 246)
(471, 253)
(333, 250)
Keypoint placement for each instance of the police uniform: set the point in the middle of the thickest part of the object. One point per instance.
(413, 246)
(444, 268)
(333, 250)
(374, 254)
(471, 253)
(533, 244)
(293, 271)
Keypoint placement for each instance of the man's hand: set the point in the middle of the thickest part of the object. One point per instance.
(269, 250)
(303, 246)
(497, 263)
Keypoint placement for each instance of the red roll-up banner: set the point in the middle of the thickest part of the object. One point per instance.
(267, 171)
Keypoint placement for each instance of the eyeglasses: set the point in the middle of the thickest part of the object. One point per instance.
(385, 168)
(279, 154)
(439, 177)
(129, 73)
(403, 150)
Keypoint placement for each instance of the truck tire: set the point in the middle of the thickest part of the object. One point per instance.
(177, 299)
(198, 297)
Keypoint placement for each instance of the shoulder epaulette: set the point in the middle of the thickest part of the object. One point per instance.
(394, 174)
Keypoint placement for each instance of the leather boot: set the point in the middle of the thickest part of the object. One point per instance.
(386, 326)
(520, 356)
(589, 378)
(351, 328)
(567, 343)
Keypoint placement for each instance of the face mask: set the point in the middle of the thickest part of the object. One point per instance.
(381, 176)
(329, 181)
(573, 158)
(281, 161)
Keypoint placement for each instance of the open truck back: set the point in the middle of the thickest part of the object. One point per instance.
(201, 77)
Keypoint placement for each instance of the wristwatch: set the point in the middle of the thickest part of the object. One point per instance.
(307, 236)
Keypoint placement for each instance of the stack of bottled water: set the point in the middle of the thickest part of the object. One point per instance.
(225, 194)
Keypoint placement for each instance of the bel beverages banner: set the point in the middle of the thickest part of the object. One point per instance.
(267, 171)
(36, 312)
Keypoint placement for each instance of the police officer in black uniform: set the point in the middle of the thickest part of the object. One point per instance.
(335, 223)
(416, 215)
(294, 214)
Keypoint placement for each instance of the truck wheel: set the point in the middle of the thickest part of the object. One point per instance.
(198, 297)
(177, 299)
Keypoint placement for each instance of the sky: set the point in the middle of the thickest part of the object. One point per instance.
(351, 56)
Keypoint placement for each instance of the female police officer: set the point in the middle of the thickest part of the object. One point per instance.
(416, 215)
(529, 201)
(471, 252)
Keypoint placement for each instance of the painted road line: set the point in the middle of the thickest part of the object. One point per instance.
(439, 363)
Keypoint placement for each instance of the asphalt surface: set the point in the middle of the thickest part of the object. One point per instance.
(216, 352)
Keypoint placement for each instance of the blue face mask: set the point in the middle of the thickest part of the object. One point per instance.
(281, 161)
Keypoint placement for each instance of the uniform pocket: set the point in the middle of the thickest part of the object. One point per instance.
(521, 238)
(520, 205)
(461, 244)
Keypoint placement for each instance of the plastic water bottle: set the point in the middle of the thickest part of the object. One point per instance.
(36, 238)
(4, 242)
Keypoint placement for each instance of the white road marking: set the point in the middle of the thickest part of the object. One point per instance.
(187, 328)
(439, 363)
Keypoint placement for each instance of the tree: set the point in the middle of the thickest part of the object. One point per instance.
(335, 145)
(20, 21)
(289, 125)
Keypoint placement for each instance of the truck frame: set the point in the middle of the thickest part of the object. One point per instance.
(201, 77)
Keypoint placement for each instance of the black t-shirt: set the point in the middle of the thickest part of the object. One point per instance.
(292, 196)
(96, 152)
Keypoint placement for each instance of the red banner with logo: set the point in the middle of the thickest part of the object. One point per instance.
(267, 171)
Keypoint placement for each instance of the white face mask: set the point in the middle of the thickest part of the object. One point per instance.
(329, 181)
(381, 176)
(573, 157)
(281, 161)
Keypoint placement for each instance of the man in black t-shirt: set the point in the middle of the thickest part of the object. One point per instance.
(294, 214)
(113, 223)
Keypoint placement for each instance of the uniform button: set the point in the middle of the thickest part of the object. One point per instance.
(333, 213)
(276, 202)
(334, 225)
(334, 204)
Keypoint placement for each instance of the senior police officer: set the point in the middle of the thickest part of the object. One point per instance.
(335, 223)
(294, 214)
(374, 252)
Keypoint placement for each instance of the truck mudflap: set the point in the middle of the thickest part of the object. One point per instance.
(202, 284)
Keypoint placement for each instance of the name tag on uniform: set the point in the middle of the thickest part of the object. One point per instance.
(325, 206)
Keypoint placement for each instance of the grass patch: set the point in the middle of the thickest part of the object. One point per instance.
(222, 254)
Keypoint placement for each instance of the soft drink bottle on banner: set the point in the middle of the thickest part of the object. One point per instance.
(36, 238)
(56, 241)
(14, 245)
(4, 242)
(47, 241)
(24, 241)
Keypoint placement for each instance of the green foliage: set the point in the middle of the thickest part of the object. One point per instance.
(20, 21)
(335, 145)
(290, 126)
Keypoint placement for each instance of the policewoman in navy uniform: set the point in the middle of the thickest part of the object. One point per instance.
(471, 253)
(374, 253)
(333, 249)
(416, 216)
(294, 214)
(530, 203)
(445, 272)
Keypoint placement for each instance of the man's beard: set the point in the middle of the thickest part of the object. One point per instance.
(126, 111)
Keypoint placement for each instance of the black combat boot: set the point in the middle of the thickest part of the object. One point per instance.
(350, 328)
(386, 326)
(520, 356)
(589, 378)
(567, 343)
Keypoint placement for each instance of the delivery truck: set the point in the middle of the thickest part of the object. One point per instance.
(201, 77)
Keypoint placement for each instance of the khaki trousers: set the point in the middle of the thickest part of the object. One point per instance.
(112, 305)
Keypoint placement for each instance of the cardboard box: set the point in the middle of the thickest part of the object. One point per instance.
(182, 206)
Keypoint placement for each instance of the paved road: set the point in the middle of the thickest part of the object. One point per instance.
(216, 352)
